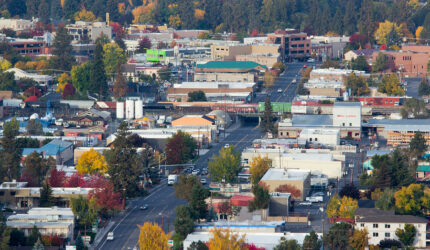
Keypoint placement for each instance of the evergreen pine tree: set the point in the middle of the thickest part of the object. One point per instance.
(98, 77)
(56, 11)
(79, 243)
(267, 119)
(10, 154)
(63, 59)
(44, 11)
(46, 199)
(38, 245)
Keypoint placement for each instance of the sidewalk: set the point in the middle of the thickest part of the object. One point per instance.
(101, 233)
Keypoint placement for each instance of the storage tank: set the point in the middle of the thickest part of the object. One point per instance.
(129, 109)
(120, 110)
(138, 109)
(345, 96)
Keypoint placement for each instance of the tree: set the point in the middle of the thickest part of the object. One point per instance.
(267, 123)
(184, 186)
(113, 56)
(393, 38)
(312, 241)
(414, 108)
(269, 79)
(225, 239)
(184, 222)
(38, 245)
(180, 148)
(386, 200)
(69, 90)
(350, 191)
(85, 15)
(279, 66)
(79, 242)
(258, 168)
(165, 73)
(418, 144)
(91, 162)
(359, 239)
(56, 178)
(330, 64)
(106, 199)
(33, 236)
(62, 50)
(391, 85)
(197, 96)
(7, 81)
(414, 199)
(98, 79)
(406, 235)
(338, 236)
(288, 188)
(46, 198)
(35, 169)
(384, 29)
(285, 244)
(341, 207)
(360, 63)
(389, 244)
(357, 85)
(381, 63)
(152, 236)
(63, 79)
(5, 65)
(10, 153)
(34, 127)
(120, 86)
(225, 166)
(81, 76)
(84, 210)
(424, 88)
(124, 165)
(199, 245)
(198, 204)
(144, 45)
(261, 199)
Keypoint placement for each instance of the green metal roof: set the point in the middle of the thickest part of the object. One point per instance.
(423, 168)
(229, 65)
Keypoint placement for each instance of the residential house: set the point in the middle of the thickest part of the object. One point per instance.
(61, 151)
(382, 225)
(353, 54)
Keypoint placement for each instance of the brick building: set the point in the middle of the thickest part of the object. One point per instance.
(409, 63)
(294, 44)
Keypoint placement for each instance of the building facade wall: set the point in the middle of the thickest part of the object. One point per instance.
(224, 77)
(410, 64)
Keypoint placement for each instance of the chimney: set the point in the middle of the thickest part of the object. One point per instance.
(107, 18)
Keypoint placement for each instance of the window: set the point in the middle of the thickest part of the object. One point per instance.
(387, 225)
(343, 124)
(375, 234)
(316, 139)
(288, 133)
(362, 224)
(282, 133)
(310, 139)
(387, 235)
(375, 225)
(350, 124)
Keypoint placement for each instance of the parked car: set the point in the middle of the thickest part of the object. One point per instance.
(315, 199)
(279, 90)
(203, 181)
(143, 207)
(195, 172)
(305, 203)
(109, 236)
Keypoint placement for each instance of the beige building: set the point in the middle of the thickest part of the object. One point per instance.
(82, 30)
(300, 179)
(224, 77)
(264, 54)
(15, 24)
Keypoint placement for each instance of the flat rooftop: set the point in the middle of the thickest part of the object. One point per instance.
(316, 131)
(285, 174)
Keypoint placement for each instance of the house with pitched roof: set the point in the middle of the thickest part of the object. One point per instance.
(61, 151)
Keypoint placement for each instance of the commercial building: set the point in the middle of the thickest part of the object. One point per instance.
(408, 63)
(214, 91)
(328, 47)
(81, 30)
(264, 54)
(382, 225)
(229, 71)
(194, 120)
(398, 132)
(353, 54)
(327, 137)
(318, 87)
(49, 221)
(293, 43)
(61, 151)
(28, 47)
(299, 179)
(334, 75)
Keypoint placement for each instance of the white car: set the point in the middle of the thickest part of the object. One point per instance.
(195, 172)
(311, 60)
(305, 203)
(203, 181)
(279, 90)
(109, 236)
(227, 145)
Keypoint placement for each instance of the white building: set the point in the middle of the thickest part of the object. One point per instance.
(49, 221)
(347, 114)
(329, 137)
(81, 30)
(21, 74)
(382, 225)
(15, 24)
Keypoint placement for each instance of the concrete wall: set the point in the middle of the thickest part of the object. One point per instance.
(347, 116)
(278, 206)
(332, 92)
(224, 77)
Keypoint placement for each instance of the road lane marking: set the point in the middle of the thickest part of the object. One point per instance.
(241, 140)
(131, 234)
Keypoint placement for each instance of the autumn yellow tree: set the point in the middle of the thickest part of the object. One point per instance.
(199, 14)
(152, 236)
(414, 199)
(259, 167)
(63, 79)
(385, 28)
(225, 239)
(359, 240)
(175, 21)
(85, 15)
(418, 32)
(268, 79)
(144, 9)
(5, 65)
(91, 162)
(341, 207)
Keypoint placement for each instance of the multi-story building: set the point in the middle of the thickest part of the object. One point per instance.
(15, 24)
(264, 54)
(27, 47)
(328, 47)
(408, 63)
(294, 44)
(300, 179)
(382, 225)
(81, 30)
